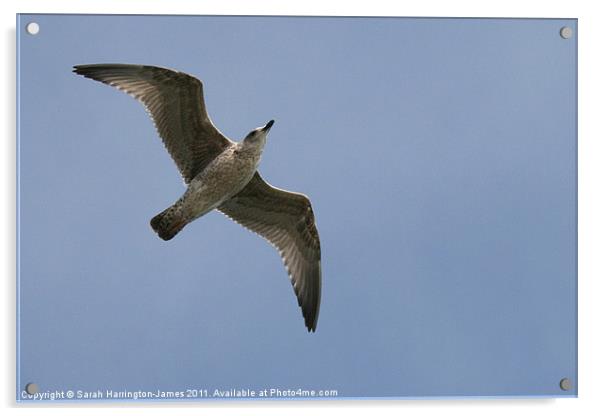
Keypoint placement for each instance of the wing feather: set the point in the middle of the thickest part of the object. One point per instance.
(175, 102)
(287, 221)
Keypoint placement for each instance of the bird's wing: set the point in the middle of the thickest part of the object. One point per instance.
(175, 102)
(287, 221)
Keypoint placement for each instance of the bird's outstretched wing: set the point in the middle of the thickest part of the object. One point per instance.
(286, 220)
(175, 102)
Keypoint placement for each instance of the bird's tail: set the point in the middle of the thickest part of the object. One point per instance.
(169, 222)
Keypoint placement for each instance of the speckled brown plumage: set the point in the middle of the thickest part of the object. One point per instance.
(221, 174)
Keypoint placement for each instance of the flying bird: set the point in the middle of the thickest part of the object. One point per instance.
(221, 174)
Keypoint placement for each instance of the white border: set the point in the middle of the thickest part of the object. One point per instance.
(590, 202)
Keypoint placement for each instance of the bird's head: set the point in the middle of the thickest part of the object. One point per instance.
(259, 135)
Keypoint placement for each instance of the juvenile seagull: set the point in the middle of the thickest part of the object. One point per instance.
(221, 174)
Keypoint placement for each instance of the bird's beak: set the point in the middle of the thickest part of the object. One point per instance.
(268, 126)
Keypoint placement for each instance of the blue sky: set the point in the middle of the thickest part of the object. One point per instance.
(440, 157)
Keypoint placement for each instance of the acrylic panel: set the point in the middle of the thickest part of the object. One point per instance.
(440, 159)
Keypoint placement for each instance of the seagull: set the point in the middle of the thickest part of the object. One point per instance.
(221, 174)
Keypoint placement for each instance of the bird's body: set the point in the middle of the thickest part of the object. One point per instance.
(221, 174)
(224, 177)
